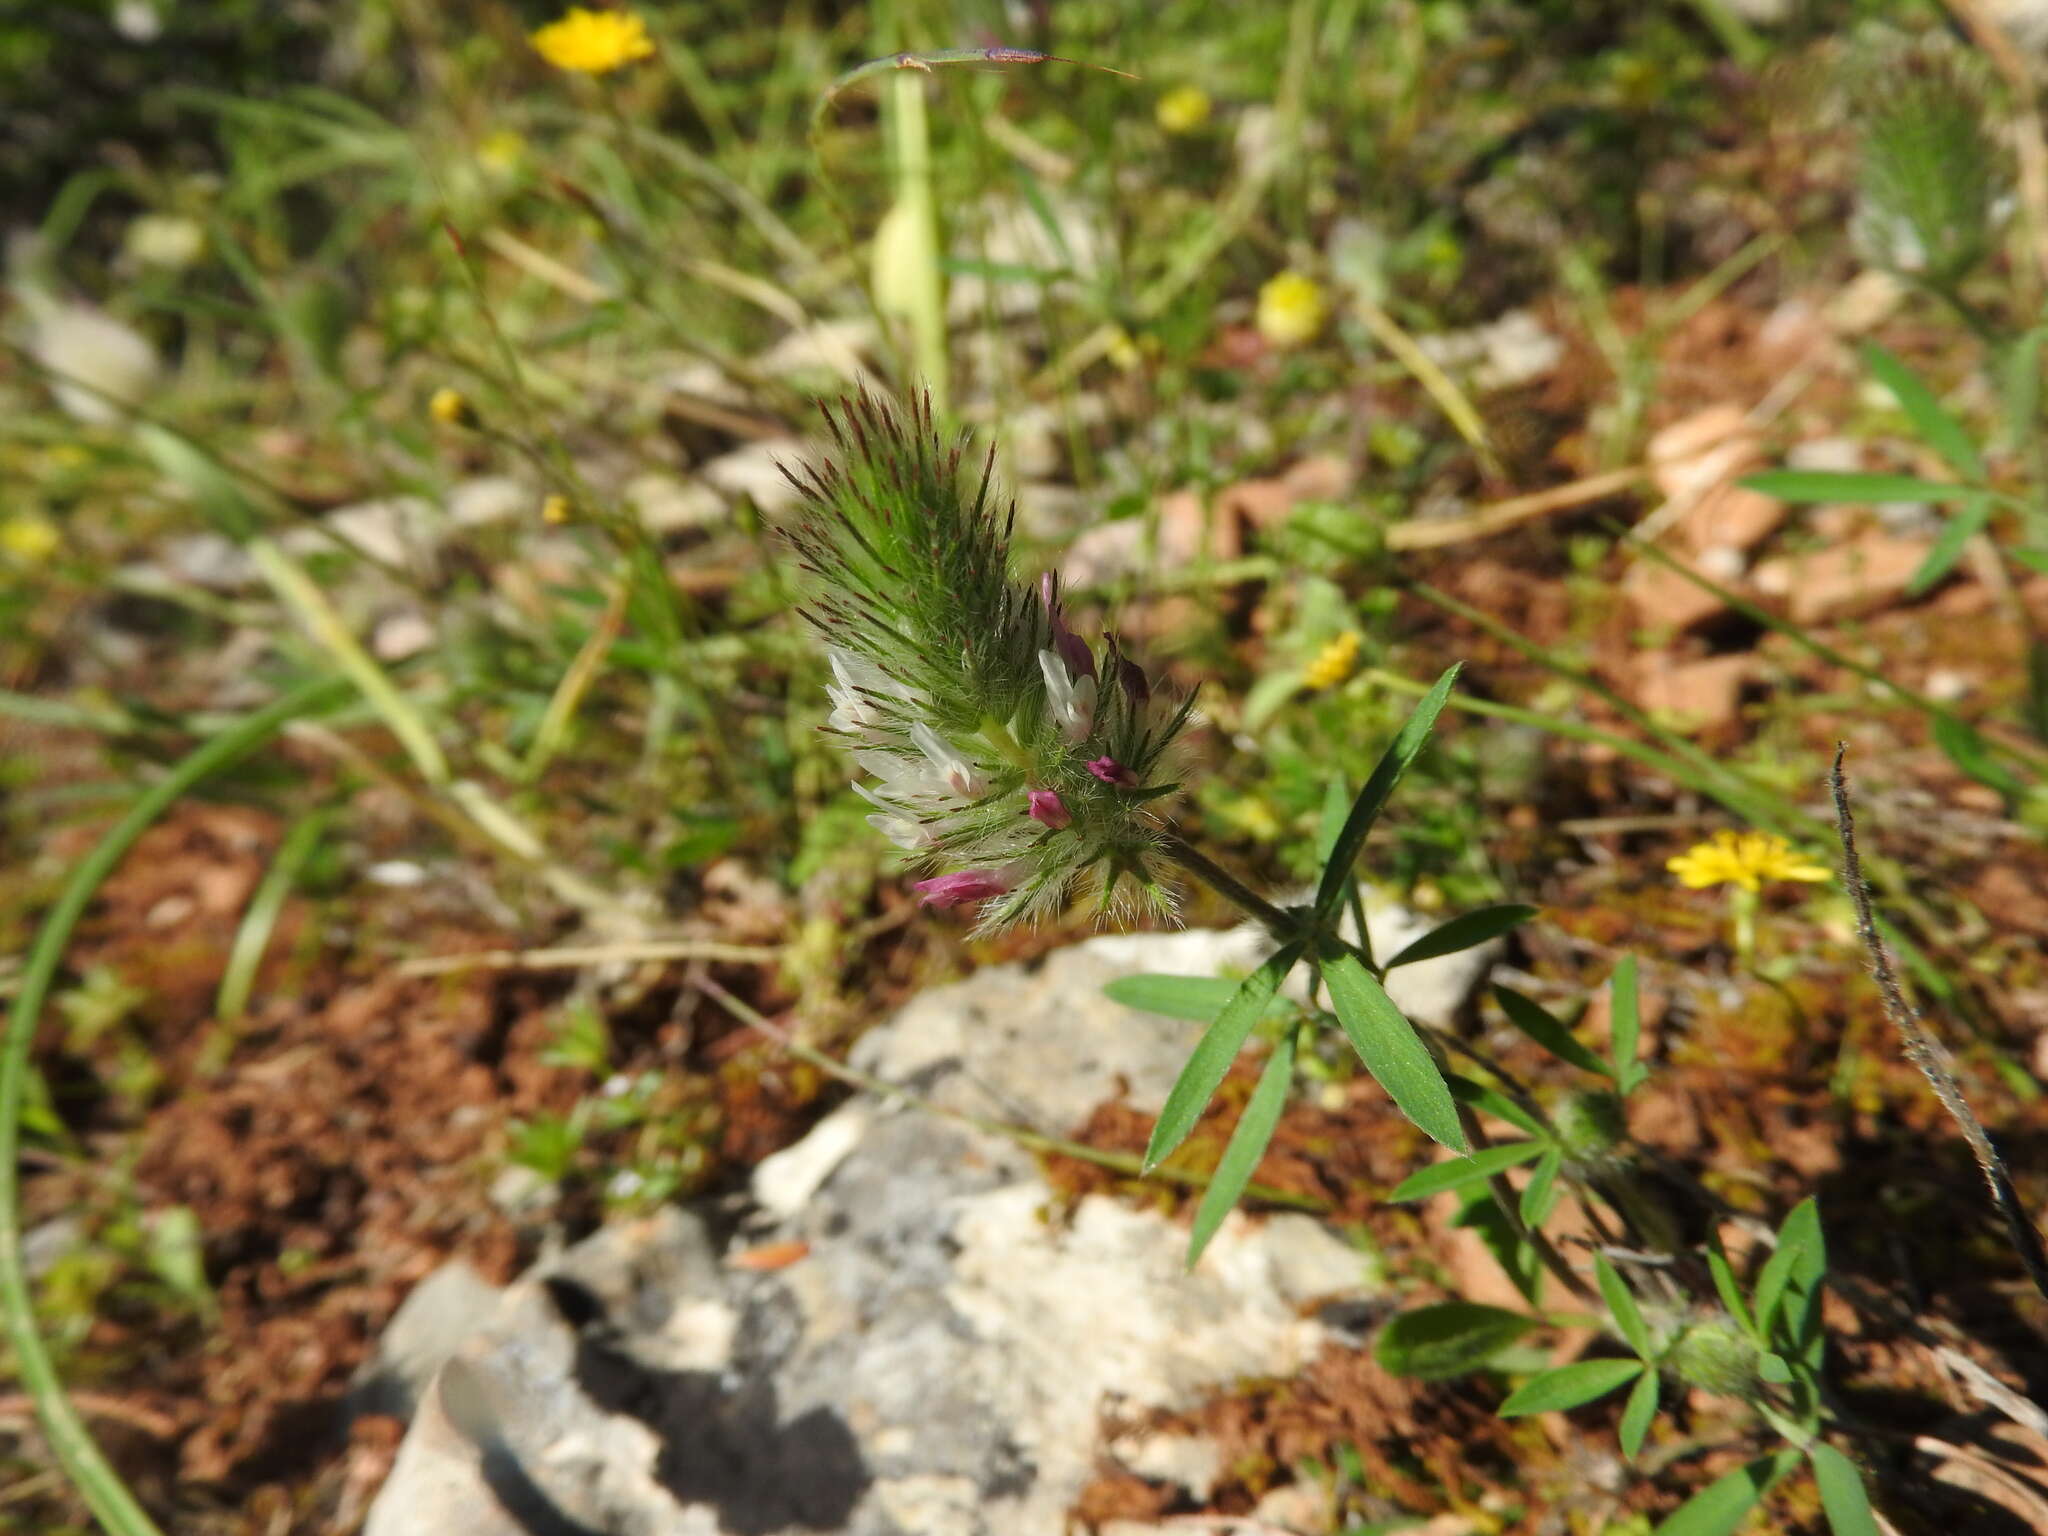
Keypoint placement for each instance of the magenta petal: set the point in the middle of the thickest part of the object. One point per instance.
(1048, 809)
(966, 885)
(1110, 771)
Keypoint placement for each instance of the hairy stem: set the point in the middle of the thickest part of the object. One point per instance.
(1229, 887)
(1928, 1053)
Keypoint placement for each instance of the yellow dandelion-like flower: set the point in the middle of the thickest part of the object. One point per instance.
(451, 408)
(1746, 859)
(557, 510)
(1184, 109)
(593, 42)
(1292, 310)
(1334, 662)
(29, 539)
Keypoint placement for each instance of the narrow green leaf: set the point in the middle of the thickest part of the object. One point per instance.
(1636, 1416)
(1539, 1195)
(1624, 1027)
(1720, 1508)
(1843, 1498)
(1466, 932)
(2033, 559)
(1969, 751)
(1212, 1057)
(1450, 1339)
(1937, 428)
(1248, 1144)
(1800, 1231)
(1365, 810)
(1621, 1306)
(1731, 1293)
(1964, 524)
(1542, 1026)
(1336, 801)
(1852, 486)
(1772, 1367)
(1570, 1385)
(1391, 1050)
(1199, 998)
(1491, 1102)
(2020, 380)
(1456, 1172)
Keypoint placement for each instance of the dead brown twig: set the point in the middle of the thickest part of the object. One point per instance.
(1927, 1053)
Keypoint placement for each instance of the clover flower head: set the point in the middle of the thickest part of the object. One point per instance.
(589, 42)
(1744, 859)
(976, 714)
(1292, 310)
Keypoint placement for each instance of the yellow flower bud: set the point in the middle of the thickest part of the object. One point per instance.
(557, 510)
(1292, 310)
(28, 539)
(1184, 109)
(451, 408)
(1333, 663)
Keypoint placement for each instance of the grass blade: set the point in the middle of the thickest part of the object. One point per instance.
(1213, 1055)
(1391, 1050)
(1963, 525)
(1544, 1027)
(1850, 485)
(1466, 932)
(1456, 1172)
(253, 937)
(97, 1482)
(1248, 1145)
(1939, 430)
(1372, 799)
(1570, 1385)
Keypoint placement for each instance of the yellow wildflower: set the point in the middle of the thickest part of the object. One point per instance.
(29, 539)
(1292, 310)
(451, 408)
(593, 42)
(1184, 109)
(1334, 662)
(1746, 859)
(556, 509)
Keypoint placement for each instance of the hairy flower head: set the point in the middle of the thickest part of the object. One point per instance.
(1746, 859)
(593, 42)
(1000, 746)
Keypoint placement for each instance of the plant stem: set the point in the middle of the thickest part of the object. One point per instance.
(1509, 1204)
(1229, 887)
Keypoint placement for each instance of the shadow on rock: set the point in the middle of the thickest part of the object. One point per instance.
(724, 1446)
